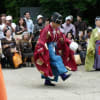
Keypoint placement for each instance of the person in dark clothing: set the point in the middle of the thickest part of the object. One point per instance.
(26, 48)
(81, 40)
(37, 29)
(47, 21)
(80, 25)
(70, 36)
(20, 28)
(88, 35)
(9, 47)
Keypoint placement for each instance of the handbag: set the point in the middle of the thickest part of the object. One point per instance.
(78, 59)
(17, 60)
(18, 37)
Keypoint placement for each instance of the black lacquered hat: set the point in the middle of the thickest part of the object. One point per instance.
(56, 18)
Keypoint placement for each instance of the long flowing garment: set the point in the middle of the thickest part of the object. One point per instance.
(56, 62)
(67, 54)
(97, 56)
(43, 51)
(3, 95)
(92, 55)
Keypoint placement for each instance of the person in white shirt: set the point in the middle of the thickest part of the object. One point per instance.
(29, 23)
(68, 26)
(9, 25)
(2, 22)
(1, 32)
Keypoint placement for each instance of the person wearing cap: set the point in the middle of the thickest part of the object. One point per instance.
(93, 50)
(71, 18)
(9, 25)
(68, 26)
(37, 29)
(47, 59)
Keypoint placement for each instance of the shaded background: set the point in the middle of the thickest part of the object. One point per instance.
(89, 9)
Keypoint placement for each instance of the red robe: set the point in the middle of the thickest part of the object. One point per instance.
(67, 54)
(41, 53)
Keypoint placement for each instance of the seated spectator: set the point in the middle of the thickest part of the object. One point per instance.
(20, 28)
(71, 18)
(9, 47)
(26, 48)
(82, 46)
(89, 31)
(70, 36)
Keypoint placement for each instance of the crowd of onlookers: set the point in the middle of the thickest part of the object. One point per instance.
(21, 37)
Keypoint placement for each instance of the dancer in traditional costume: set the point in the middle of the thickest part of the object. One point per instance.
(93, 51)
(49, 45)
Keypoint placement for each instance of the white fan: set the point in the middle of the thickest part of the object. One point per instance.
(73, 46)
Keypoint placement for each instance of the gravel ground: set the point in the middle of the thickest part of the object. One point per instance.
(26, 84)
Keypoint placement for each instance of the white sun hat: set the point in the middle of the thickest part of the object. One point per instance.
(8, 17)
(39, 16)
(68, 18)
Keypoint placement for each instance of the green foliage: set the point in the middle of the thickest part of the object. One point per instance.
(65, 7)
(87, 7)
